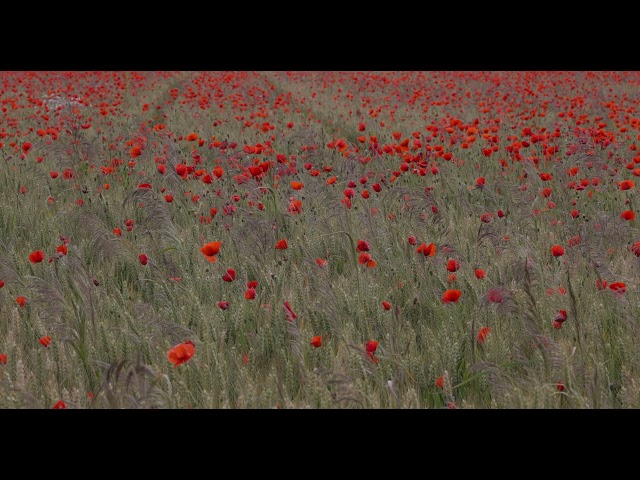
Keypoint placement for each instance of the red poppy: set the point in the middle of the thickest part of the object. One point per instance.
(618, 287)
(486, 217)
(451, 296)
(144, 185)
(218, 171)
(331, 180)
(479, 273)
(117, 232)
(143, 259)
(1, 283)
(290, 314)
(500, 214)
(413, 240)
(3, 358)
(386, 305)
(223, 305)
(427, 250)
(483, 333)
(601, 284)
(321, 262)
(480, 182)
(135, 152)
(560, 387)
(36, 257)
(230, 276)
(376, 187)
(365, 259)
(297, 185)
(628, 215)
(181, 353)
(453, 265)
(627, 185)
(440, 382)
(636, 249)
(250, 294)
(168, 198)
(545, 177)
(316, 341)
(22, 301)
(60, 405)
(210, 250)
(45, 341)
(372, 346)
(557, 250)
(282, 244)
(62, 249)
(362, 246)
(191, 137)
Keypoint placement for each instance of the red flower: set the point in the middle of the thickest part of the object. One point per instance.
(316, 341)
(483, 333)
(181, 353)
(252, 284)
(282, 244)
(36, 257)
(210, 250)
(45, 341)
(191, 137)
(628, 215)
(230, 276)
(135, 152)
(321, 262)
(117, 232)
(386, 305)
(21, 301)
(372, 346)
(618, 287)
(453, 265)
(557, 250)
(636, 249)
(223, 305)
(560, 386)
(143, 259)
(545, 177)
(1, 283)
(560, 318)
(250, 294)
(627, 185)
(486, 217)
(500, 213)
(365, 259)
(362, 246)
(62, 250)
(290, 314)
(479, 273)
(412, 240)
(480, 181)
(427, 250)
(451, 296)
(297, 185)
(59, 405)
(3, 358)
(440, 382)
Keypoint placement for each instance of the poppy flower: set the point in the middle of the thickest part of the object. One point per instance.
(636, 249)
(143, 259)
(295, 206)
(601, 284)
(290, 314)
(453, 265)
(297, 185)
(316, 341)
(250, 294)
(440, 382)
(230, 276)
(168, 198)
(386, 305)
(376, 187)
(3, 358)
(483, 333)
(628, 215)
(500, 214)
(22, 301)
(371, 346)
(413, 240)
(117, 232)
(362, 246)
(627, 185)
(365, 259)
(60, 405)
(557, 250)
(486, 217)
(479, 273)
(45, 341)
(282, 244)
(181, 353)
(451, 296)
(480, 182)
(223, 305)
(192, 137)
(545, 177)
(210, 250)
(560, 387)
(618, 287)
(560, 318)
(36, 257)
(135, 152)
(427, 250)
(321, 262)
(1, 283)
(62, 249)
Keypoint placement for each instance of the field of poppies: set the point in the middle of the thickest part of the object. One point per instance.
(319, 239)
